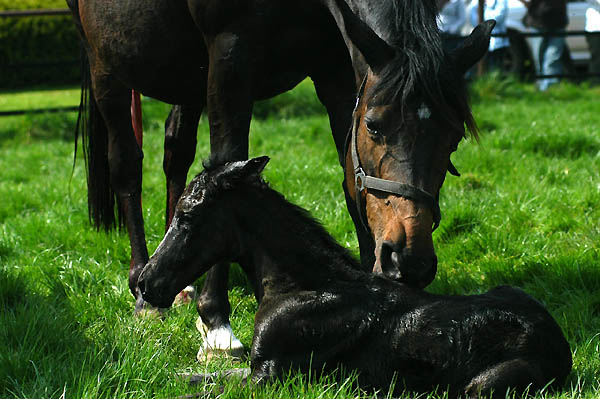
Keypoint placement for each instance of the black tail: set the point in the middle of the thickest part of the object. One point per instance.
(103, 206)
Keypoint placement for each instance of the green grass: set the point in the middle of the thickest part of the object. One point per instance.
(525, 212)
(42, 98)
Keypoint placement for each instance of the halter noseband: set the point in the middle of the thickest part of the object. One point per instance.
(362, 181)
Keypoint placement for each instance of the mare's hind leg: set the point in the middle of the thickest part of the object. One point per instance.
(125, 164)
(518, 374)
(179, 152)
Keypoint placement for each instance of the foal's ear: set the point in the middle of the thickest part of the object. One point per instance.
(474, 47)
(236, 172)
(254, 166)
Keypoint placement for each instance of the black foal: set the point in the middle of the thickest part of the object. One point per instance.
(319, 310)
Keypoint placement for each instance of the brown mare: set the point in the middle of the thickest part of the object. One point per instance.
(223, 55)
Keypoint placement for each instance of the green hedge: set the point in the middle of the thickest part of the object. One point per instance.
(40, 39)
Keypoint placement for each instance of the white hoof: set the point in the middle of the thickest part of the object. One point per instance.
(218, 342)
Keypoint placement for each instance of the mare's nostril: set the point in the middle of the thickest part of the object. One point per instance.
(390, 261)
(395, 259)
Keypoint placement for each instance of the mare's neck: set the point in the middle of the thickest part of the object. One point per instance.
(398, 22)
(410, 26)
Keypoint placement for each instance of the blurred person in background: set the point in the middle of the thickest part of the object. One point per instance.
(547, 16)
(451, 19)
(592, 25)
(498, 10)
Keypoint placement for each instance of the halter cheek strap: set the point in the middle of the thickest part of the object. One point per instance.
(362, 181)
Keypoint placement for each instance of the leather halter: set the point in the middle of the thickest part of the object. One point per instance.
(362, 181)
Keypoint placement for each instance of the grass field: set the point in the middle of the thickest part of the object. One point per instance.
(525, 212)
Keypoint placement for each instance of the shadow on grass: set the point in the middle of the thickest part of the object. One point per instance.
(561, 145)
(491, 87)
(46, 126)
(49, 351)
(38, 336)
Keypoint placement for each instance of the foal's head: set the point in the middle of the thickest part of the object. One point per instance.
(205, 229)
(410, 115)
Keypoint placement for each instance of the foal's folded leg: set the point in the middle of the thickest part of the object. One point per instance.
(519, 375)
(209, 378)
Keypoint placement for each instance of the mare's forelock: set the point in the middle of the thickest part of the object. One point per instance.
(421, 64)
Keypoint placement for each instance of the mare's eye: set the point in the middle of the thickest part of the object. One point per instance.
(372, 127)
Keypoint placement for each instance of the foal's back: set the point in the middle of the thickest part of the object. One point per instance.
(491, 342)
(467, 344)
(470, 344)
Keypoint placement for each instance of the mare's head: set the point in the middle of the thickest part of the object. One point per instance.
(411, 113)
(204, 230)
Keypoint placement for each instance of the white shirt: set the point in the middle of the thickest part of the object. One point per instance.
(498, 10)
(592, 16)
(452, 17)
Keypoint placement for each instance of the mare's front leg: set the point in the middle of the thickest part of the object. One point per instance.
(125, 166)
(229, 104)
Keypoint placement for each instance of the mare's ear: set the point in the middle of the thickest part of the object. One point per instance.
(376, 51)
(452, 169)
(474, 47)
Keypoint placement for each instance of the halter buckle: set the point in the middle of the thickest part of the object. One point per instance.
(359, 179)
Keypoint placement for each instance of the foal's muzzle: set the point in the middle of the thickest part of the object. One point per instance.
(152, 296)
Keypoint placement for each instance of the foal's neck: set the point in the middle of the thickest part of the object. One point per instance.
(290, 246)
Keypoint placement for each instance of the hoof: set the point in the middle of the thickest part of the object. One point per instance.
(186, 296)
(218, 342)
(210, 378)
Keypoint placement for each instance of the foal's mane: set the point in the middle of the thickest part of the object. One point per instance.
(421, 64)
(307, 233)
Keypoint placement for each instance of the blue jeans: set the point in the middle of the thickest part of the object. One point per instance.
(547, 54)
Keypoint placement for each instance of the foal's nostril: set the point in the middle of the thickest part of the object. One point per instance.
(142, 285)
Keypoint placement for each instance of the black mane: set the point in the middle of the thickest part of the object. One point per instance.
(421, 65)
(300, 225)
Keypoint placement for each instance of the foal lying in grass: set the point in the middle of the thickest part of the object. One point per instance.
(319, 311)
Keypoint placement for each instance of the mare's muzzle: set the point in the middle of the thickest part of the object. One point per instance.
(401, 265)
